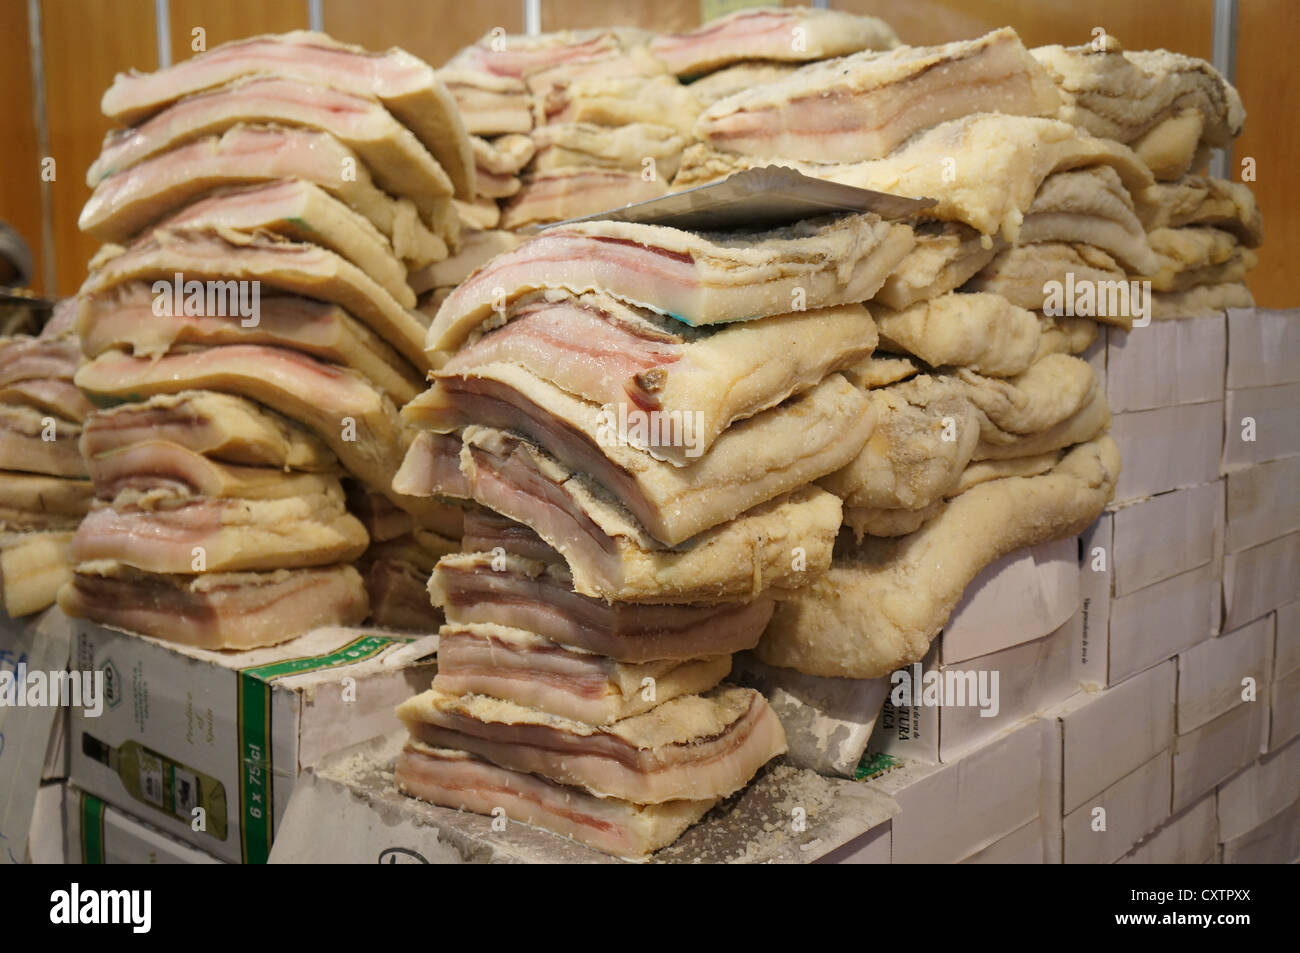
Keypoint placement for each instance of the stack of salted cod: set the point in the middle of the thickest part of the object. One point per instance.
(990, 433)
(635, 419)
(43, 487)
(251, 315)
(1172, 110)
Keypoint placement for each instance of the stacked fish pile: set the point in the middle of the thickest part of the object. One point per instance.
(990, 432)
(576, 123)
(43, 487)
(251, 312)
(636, 416)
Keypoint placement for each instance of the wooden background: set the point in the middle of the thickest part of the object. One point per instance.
(85, 42)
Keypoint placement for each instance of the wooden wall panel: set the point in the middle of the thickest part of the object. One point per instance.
(1183, 25)
(431, 29)
(20, 181)
(1270, 89)
(86, 43)
(664, 16)
(230, 20)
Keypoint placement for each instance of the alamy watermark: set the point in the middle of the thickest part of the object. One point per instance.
(624, 426)
(212, 299)
(20, 688)
(951, 688)
(1085, 298)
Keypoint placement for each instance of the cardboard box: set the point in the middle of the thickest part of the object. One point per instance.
(1095, 570)
(949, 812)
(185, 729)
(1106, 735)
(30, 746)
(1158, 622)
(1023, 596)
(1260, 579)
(1164, 536)
(1261, 791)
(1286, 652)
(45, 841)
(1260, 424)
(1263, 503)
(873, 847)
(1284, 710)
(1263, 347)
(1189, 837)
(1276, 841)
(1024, 845)
(1217, 750)
(1167, 448)
(1166, 363)
(1108, 825)
(982, 697)
(100, 834)
(1211, 675)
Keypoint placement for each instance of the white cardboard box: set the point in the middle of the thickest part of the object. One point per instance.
(1023, 596)
(100, 834)
(1106, 826)
(1166, 363)
(1286, 654)
(1161, 537)
(1105, 735)
(1263, 503)
(1217, 750)
(1189, 837)
(1263, 347)
(1276, 841)
(1284, 714)
(45, 842)
(1167, 448)
(873, 847)
(185, 728)
(1260, 424)
(1211, 675)
(1158, 622)
(1260, 579)
(1261, 791)
(1024, 845)
(1009, 684)
(950, 811)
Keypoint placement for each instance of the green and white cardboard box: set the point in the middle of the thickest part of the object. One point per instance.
(96, 833)
(207, 746)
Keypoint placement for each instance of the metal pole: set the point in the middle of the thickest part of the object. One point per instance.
(1225, 61)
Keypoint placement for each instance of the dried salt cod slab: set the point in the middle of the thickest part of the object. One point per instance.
(518, 55)
(489, 105)
(734, 79)
(622, 101)
(294, 267)
(223, 535)
(33, 568)
(128, 201)
(1027, 274)
(751, 462)
(1090, 206)
(406, 85)
(556, 195)
(223, 427)
(40, 501)
(530, 670)
(1201, 301)
(166, 471)
(863, 106)
(609, 147)
(771, 33)
(1201, 200)
(30, 358)
(457, 779)
(697, 278)
(610, 354)
(756, 825)
(123, 318)
(946, 254)
(881, 604)
(34, 442)
(400, 164)
(693, 747)
(984, 332)
(513, 590)
(1122, 95)
(218, 610)
(1197, 255)
(781, 542)
(477, 247)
